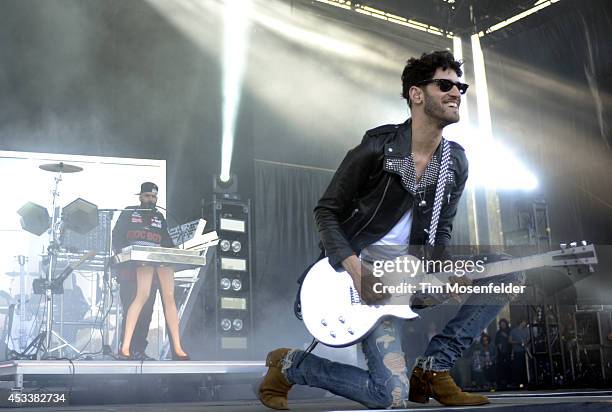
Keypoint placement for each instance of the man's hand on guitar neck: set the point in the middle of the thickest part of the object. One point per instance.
(363, 284)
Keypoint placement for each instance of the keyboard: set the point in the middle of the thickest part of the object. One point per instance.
(179, 259)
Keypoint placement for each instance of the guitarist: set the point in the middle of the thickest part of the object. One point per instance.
(383, 194)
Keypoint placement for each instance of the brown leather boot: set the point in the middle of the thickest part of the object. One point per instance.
(441, 387)
(274, 388)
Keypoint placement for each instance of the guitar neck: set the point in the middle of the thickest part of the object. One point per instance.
(512, 265)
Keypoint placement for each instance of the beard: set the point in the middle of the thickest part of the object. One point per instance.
(148, 205)
(439, 112)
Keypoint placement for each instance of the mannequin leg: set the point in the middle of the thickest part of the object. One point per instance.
(166, 287)
(144, 277)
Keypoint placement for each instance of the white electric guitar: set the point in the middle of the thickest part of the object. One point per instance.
(334, 314)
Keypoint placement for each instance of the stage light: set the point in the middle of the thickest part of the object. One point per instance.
(234, 342)
(458, 129)
(227, 188)
(383, 15)
(226, 324)
(225, 283)
(225, 245)
(236, 24)
(482, 90)
(233, 225)
(233, 303)
(237, 324)
(34, 218)
(232, 278)
(463, 108)
(337, 3)
(235, 246)
(494, 165)
(537, 7)
(233, 264)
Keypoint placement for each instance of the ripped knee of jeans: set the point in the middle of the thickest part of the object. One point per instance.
(395, 363)
(398, 384)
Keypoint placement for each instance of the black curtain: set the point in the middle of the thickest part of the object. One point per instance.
(287, 242)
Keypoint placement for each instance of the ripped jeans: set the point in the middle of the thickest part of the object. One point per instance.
(385, 383)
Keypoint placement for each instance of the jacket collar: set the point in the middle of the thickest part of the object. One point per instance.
(401, 144)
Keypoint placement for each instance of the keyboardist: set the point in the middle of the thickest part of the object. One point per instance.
(145, 225)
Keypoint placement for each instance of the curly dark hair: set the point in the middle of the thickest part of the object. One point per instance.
(423, 68)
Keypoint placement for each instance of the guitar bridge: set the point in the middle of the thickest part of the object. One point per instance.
(355, 300)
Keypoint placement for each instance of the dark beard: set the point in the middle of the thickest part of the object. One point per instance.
(437, 112)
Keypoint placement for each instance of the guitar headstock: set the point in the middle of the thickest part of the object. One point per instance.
(575, 254)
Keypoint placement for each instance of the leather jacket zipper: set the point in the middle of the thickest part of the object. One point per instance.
(353, 213)
(375, 210)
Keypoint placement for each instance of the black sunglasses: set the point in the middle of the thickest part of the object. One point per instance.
(446, 85)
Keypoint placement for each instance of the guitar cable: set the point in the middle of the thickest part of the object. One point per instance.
(309, 349)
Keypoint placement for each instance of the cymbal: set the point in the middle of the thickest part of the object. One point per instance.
(60, 167)
(16, 274)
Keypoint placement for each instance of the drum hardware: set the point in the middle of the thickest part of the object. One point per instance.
(25, 274)
(48, 286)
(60, 168)
(36, 219)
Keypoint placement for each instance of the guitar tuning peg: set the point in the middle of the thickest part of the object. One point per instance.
(563, 245)
(573, 244)
(584, 243)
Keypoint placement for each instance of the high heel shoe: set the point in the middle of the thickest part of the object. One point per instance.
(123, 356)
(184, 357)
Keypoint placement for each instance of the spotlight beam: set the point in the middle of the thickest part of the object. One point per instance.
(235, 42)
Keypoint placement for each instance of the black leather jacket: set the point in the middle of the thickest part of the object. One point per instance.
(365, 199)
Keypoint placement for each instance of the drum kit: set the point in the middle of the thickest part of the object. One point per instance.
(49, 285)
(81, 217)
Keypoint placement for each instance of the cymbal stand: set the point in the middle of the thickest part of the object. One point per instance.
(22, 302)
(52, 250)
(108, 294)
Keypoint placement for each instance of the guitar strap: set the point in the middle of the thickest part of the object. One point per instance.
(439, 197)
(422, 300)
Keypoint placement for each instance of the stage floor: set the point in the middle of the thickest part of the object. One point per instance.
(563, 401)
(225, 387)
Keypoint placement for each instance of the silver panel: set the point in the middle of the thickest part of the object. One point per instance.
(179, 259)
(60, 367)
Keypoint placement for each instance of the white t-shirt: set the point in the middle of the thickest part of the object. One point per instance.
(400, 233)
(397, 239)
